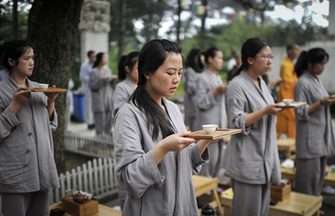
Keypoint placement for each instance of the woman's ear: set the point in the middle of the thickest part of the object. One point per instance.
(127, 69)
(11, 62)
(251, 61)
(147, 76)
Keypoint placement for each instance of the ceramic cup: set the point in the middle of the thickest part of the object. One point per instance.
(209, 128)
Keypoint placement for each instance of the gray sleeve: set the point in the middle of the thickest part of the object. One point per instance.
(235, 106)
(120, 98)
(300, 94)
(204, 98)
(8, 122)
(191, 83)
(84, 73)
(197, 159)
(136, 169)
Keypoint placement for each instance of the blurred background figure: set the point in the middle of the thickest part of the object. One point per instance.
(128, 75)
(85, 71)
(102, 95)
(194, 66)
(233, 64)
(286, 119)
(211, 109)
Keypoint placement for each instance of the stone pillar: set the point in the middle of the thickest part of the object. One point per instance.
(331, 18)
(94, 27)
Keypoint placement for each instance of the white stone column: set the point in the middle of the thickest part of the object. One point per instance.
(94, 27)
(331, 17)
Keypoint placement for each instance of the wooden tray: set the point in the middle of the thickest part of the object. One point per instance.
(218, 134)
(292, 105)
(48, 90)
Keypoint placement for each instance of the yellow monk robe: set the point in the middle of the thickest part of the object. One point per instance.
(286, 119)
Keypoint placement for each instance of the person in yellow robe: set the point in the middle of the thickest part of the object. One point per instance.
(286, 119)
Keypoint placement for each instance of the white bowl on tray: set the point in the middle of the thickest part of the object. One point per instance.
(209, 128)
(288, 102)
(43, 85)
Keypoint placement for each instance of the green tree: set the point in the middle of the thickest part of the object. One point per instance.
(13, 19)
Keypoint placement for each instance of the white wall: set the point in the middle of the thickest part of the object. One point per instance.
(328, 75)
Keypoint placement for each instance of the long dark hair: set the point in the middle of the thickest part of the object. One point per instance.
(249, 49)
(312, 56)
(127, 61)
(13, 49)
(98, 59)
(152, 56)
(193, 60)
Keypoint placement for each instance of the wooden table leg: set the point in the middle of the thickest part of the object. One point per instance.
(216, 198)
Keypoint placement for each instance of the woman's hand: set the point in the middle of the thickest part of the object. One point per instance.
(328, 100)
(256, 116)
(218, 90)
(20, 97)
(271, 110)
(174, 142)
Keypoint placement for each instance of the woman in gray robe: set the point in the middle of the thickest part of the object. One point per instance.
(102, 95)
(251, 158)
(155, 158)
(194, 66)
(27, 166)
(210, 104)
(315, 138)
(128, 75)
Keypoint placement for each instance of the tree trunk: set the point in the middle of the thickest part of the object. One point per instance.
(202, 35)
(122, 28)
(179, 21)
(53, 32)
(204, 16)
(15, 23)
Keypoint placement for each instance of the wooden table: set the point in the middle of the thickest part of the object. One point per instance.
(103, 210)
(289, 173)
(287, 146)
(202, 185)
(297, 205)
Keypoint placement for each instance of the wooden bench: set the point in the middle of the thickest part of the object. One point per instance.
(203, 185)
(297, 205)
(289, 173)
(287, 146)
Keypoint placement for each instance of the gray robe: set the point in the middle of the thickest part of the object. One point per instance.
(210, 110)
(315, 132)
(101, 89)
(123, 91)
(102, 100)
(315, 136)
(251, 157)
(26, 145)
(190, 86)
(164, 189)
